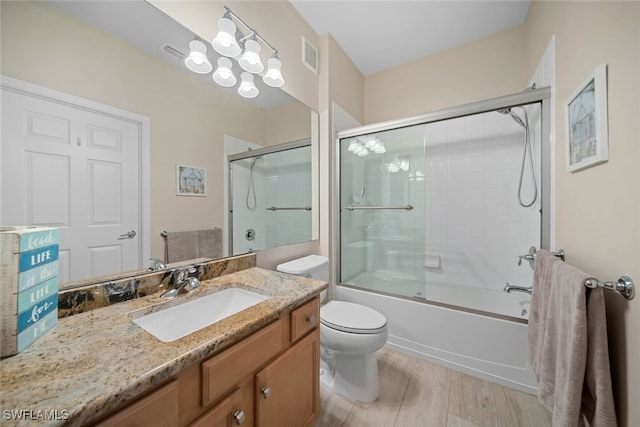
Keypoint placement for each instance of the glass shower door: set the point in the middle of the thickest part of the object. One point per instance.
(442, 210)
(270, 199)
(382, 211)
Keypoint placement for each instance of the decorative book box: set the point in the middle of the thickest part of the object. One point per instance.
(28, 285)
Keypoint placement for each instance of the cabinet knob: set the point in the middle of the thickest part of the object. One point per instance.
(238, 417)
(311, 319)
(266, 392)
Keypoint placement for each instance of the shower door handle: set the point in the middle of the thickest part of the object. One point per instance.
(353, 208)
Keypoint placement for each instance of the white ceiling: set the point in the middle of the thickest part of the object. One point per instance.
(378, 35)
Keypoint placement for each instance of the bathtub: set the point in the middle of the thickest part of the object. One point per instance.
(488, 342)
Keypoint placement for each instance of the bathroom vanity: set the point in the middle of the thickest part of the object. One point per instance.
(259, 367)
(274, 371)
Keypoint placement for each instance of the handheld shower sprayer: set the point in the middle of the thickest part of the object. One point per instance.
(526, 150)
(251, 191)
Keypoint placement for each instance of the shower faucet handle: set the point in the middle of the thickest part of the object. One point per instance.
(531, 257)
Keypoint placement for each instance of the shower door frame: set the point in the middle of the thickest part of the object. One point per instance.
(529, 96)
(307, 142)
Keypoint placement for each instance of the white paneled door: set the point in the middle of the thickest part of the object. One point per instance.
(76, 169)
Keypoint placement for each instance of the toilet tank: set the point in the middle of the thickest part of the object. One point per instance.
(315, 266)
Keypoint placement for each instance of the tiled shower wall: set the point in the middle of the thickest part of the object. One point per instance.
(473, 221)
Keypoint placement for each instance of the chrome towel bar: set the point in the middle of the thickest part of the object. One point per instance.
(304, 208)
(353, 208)
(624, 286)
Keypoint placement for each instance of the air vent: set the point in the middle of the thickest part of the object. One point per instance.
(173, 51)
(309, 55)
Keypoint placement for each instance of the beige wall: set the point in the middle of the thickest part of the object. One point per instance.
(341, 83)
(277, 21)
(188, 118)
(485, 68)
(290, 122)
(598, 209)
(346, 83)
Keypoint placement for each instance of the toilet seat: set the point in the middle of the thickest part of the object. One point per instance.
(352, 318)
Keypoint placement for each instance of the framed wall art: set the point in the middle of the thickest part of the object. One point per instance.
(191, 181)
(587, 129)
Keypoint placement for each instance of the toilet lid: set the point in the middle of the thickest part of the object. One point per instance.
(354, 318)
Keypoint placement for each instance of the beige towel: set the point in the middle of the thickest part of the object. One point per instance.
(597, 395)
(568, 349)
(186, 245)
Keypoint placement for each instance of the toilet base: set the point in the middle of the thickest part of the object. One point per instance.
(355, 377)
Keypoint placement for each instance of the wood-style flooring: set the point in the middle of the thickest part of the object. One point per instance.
(416, 392)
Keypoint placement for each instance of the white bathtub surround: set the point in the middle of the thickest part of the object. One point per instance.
(482, 346)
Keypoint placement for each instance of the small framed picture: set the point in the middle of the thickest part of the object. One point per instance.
(191, 181)
(587, 129)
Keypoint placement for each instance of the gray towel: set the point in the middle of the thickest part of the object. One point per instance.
(186, 245)
(568, 350)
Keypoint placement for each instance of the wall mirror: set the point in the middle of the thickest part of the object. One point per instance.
(129, 55)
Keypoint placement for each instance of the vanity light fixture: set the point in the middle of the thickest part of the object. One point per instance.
(273, 76)
(247, 88)
(223, 74)
(197, 60)
(225, 42)
(245, 49)
(250, 60)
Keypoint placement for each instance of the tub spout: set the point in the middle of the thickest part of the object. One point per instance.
(510, 288)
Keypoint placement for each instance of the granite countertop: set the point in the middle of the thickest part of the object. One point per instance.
(92, 362)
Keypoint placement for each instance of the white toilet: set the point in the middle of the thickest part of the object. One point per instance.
(350, 335)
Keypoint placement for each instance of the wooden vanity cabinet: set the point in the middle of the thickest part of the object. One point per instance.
(269, 379)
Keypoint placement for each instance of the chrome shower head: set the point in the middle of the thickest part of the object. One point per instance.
(513, 115)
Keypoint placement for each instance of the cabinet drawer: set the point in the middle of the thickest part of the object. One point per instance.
(305, 318)
(222, 372)
(160, 408)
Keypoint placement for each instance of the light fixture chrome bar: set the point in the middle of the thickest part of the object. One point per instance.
(303, 208)
(355, 208)
(251, 30)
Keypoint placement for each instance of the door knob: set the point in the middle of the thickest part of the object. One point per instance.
(128, 235)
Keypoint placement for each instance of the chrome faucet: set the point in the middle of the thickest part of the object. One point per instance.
(156, 264)
(182, 282)
(510, 288)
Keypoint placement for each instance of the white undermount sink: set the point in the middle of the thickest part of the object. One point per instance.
(181, 320)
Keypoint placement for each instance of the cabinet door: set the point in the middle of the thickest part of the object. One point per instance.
(160, 408)
(287, 390)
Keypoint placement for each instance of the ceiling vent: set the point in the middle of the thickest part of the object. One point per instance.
(173, 51)
(309, 55)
